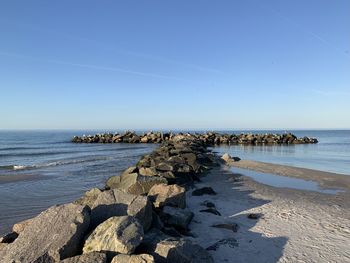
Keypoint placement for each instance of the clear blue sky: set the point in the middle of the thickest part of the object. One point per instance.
(174, 64)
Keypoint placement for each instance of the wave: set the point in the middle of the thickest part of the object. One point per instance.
(56, 163)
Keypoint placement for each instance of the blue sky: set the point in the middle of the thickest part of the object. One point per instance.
(174, 64)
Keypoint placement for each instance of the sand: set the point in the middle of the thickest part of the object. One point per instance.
(295, 225)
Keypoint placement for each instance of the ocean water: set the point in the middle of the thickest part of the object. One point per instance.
(331, 154)
(41, 168)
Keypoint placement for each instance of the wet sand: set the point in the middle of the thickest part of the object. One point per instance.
(295, 225)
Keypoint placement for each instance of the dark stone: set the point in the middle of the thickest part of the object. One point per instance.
(204, 191)
(211, 210)
(254, 216)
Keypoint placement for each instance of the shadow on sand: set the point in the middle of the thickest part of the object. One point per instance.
(234, 203)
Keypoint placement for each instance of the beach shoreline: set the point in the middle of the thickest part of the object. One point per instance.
(326, 180)
(294, 225)
(191, 199)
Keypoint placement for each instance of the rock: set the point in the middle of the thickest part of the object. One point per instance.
(3, 245)
(117, 203)
(204, 191)
(119, 234)
(142, 258)
(137, 184)
(171, 195)
(226, 157)
(148, 171)
(89, 197)
(208, 204)
(20, 226)
(183, 251)
(254, 216)
(177, 217)
(211, 210)
(9, 238)
(53, 235)
(164, 167)
(93, 257)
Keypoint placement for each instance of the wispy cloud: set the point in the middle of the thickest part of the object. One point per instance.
(109, 47)
(306, 30)
(98, 67)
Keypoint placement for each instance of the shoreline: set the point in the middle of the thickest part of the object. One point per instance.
(325, 180)
(185, 203)
(295, 225)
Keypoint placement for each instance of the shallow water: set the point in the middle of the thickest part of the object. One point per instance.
(331, 154)
(41, 169)
(283, 181)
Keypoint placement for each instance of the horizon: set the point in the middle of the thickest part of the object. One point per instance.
(175, 66)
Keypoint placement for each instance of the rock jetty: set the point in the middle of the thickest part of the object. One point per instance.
(208, 139)
(139, 216)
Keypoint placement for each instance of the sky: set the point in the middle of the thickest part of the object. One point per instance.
(175, 64)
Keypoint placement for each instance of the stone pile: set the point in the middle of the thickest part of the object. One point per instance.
(140, 215)
(209, 139)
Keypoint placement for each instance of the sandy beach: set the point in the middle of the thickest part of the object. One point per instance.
(295, 225)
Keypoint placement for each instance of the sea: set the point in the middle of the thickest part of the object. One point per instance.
(39, 169)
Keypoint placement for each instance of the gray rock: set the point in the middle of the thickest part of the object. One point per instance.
(119, 234)
(136, 184)
(181, 251)
(141, 258)
(148, 171)
(164, 167)
(226, 157)
(177, 217)
(172, 195)
(117, 203)
(93, 257)
(89, 197)
(53, 235)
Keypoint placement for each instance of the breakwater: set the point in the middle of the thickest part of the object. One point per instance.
(209, 139)
(139, 216)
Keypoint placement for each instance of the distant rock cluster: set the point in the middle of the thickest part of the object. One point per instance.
(139, 216)
(209, 139)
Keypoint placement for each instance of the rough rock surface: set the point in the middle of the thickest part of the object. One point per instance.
(142, 258)
(134, 183)
(178, 217)
(117, 203)
(55, 234)
(183, 251)
(93, 257)
(171, 195)
(119, 234)
(89, 197)
(20, 226)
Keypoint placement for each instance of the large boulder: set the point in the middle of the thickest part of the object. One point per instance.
(89, 197)
(93, 257)
(117, 203)
(135, 183)
(20, 226)
(119, 234)
(171, 195)
(181, 251)
(53, 235)
(177, 217)
(142, 258)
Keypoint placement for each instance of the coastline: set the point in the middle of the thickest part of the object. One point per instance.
(295, 225)
(253, 222)
(325, 180)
